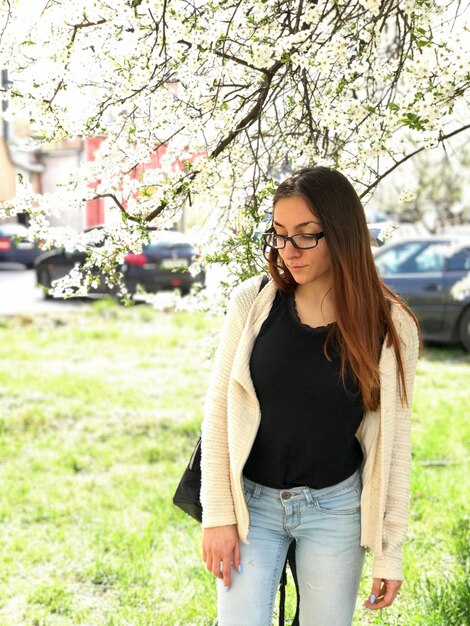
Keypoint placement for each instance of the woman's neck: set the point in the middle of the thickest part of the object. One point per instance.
(315, 305)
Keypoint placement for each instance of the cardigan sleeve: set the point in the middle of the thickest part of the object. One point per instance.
(388, 565)
(216, 496)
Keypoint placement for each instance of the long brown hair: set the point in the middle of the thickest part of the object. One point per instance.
(362, 300)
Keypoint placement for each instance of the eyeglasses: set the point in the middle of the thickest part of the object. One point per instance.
(301, 242)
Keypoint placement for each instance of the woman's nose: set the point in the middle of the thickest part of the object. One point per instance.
(290, 251)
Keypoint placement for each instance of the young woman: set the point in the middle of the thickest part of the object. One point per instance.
(306, 434)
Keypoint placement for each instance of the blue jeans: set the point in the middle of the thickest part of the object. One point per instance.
(326, 525)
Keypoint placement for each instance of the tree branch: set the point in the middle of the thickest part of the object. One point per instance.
(163, 21)
(253, 114)
(76, 28)
(118, 204)
(7, 20)
(441, 139)
(229, 57)
(241, 126)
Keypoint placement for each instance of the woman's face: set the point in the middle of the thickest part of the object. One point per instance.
(292, 216)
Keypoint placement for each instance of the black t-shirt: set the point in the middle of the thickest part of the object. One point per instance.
(308, 417)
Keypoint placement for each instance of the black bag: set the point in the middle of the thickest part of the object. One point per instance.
(188, 498)
(188, 493)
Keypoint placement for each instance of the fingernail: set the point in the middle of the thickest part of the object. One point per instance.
(240, 569)
(372, 598)
(227, 588)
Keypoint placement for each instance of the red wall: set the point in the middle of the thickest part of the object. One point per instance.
(94, 208)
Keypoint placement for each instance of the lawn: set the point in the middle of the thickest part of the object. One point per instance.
(99, 411)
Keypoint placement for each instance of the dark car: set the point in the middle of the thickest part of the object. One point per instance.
(162, 265)
(15, 247)
(433, 275)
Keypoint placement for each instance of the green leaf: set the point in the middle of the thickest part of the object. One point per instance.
(414, 121)
(341, 85)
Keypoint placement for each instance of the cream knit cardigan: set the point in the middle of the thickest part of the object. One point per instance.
(232, 416)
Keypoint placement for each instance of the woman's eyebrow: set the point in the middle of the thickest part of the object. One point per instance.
(297, 225)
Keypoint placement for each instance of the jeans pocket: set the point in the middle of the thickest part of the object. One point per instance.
(248, 493)
(344, 502)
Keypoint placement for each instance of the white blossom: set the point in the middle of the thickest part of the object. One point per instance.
(371, 5)
(386, 232)
(407, 195)
(460, 291)
(230, 96)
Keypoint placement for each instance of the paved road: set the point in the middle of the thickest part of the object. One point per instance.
(19, 294)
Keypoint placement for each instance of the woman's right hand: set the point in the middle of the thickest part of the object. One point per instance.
(221, 545)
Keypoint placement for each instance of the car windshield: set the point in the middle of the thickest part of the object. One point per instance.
(167, 238)
(13, 230)
(413, 257)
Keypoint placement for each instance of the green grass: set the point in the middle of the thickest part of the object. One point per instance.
(99, 411)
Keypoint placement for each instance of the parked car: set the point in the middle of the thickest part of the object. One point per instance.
(433, 275)
(162, 265)
(15, 246)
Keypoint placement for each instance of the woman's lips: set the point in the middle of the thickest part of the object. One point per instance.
(296, 268)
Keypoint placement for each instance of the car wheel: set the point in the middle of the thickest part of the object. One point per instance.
(464, 329)
(44, 280)
(131, 287)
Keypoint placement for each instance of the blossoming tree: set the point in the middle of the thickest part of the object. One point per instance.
(239, 91)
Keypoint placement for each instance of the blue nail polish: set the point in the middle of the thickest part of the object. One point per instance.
(372, 598)
(227, 588)
(240, 569)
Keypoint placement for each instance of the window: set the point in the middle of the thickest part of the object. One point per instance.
(412, 257)
(391, 261)
(460, 261)
(431, 259)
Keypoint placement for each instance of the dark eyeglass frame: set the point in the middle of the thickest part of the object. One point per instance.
(315, 237)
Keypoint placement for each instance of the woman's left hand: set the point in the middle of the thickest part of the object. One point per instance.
(383, 593)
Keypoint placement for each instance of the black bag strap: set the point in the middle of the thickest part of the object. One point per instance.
(264, 282)
(282, 596)
(290, 559)
(293, 568)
